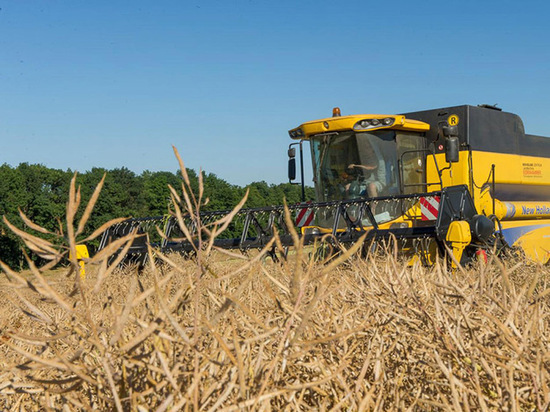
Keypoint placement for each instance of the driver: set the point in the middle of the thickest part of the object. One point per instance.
(374, 173)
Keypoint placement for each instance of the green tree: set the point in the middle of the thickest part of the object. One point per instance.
(156, 192)
(221, 194)
(40, 193)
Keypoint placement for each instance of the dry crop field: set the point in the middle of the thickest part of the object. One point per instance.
(218, 332)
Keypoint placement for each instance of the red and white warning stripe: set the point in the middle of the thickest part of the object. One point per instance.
(305, 217)
(429, 207)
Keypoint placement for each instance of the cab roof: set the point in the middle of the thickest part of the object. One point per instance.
(350, 123)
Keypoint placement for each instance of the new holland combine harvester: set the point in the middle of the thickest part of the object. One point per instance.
(465, 179)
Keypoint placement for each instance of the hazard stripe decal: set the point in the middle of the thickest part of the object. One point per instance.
(429, 207)
(304, 217)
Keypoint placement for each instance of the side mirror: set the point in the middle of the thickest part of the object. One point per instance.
(291, 168)
(452, 149)
(452, 144)
(291, 152)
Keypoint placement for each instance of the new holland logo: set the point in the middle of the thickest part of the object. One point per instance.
(429, 207)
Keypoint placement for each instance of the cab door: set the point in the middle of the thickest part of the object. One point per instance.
(411, 152)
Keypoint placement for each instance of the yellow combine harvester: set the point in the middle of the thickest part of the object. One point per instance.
(482, 149)
(466, 179)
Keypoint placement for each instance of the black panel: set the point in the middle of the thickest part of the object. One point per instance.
(484, 129)
(535, 146)
(494, 131)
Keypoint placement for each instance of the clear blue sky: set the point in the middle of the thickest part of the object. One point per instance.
(115, 83)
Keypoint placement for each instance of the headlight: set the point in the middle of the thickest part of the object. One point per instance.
(296, 133)
(373, 123)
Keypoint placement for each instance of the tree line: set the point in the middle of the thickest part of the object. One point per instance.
(41, 193)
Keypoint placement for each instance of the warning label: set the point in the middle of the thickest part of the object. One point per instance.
(532, 170)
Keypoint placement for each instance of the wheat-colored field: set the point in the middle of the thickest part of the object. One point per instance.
(256, 335)
(218, 332)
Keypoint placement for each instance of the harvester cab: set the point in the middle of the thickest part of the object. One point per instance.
(458, 181)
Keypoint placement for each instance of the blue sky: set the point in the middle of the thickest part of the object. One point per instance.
(115, 83)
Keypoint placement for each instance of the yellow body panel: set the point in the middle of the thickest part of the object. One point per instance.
(536, 244)
(456, 175)
(510, 169)
(458, 237)
(81, 253)
(532, 236)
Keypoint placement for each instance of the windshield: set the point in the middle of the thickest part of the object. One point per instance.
(350, 165)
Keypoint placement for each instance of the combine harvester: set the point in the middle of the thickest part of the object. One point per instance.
(465, 178)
